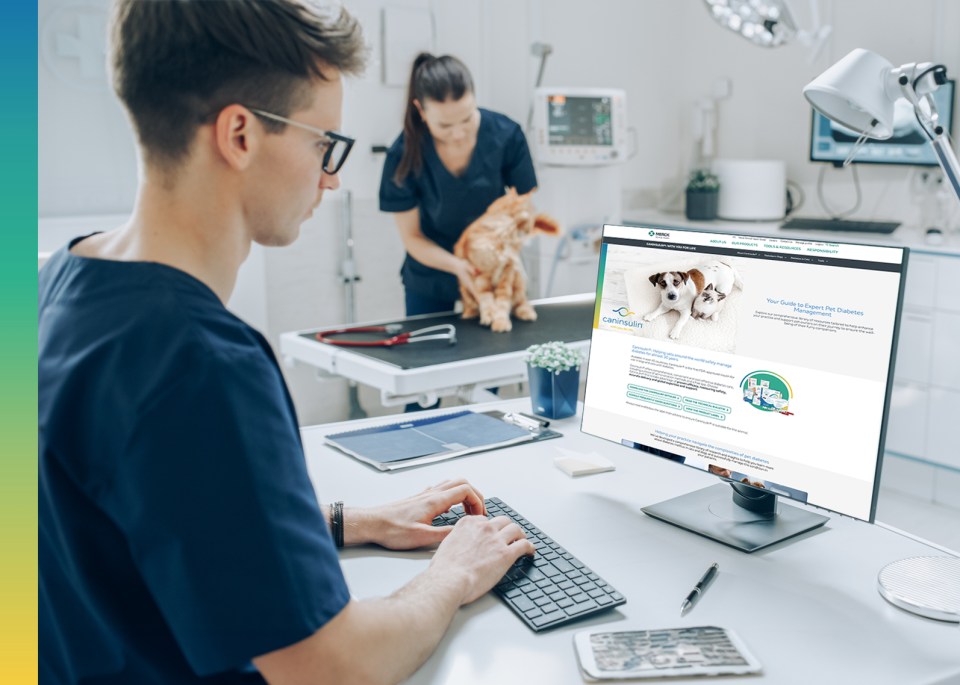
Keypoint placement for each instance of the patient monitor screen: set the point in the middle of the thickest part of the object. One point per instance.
(761, 360)
(579, 120)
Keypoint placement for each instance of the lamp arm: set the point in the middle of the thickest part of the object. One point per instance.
(948, 161)
(916, 83)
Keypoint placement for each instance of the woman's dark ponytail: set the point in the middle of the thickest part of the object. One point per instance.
(431, 78)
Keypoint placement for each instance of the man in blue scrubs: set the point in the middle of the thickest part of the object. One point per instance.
(180, 540)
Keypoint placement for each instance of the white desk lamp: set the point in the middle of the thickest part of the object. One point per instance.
(860, 90)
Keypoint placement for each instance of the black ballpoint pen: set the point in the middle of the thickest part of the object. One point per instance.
(699, 589)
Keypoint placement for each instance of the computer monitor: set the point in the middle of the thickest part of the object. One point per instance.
(909, 145)
(776, 377)
(580, 126)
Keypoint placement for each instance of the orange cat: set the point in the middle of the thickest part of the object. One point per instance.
(492, 244)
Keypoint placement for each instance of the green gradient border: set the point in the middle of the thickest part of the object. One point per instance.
(18, 345)
(601, 270)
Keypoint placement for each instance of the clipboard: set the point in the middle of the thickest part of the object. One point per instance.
(415, 442)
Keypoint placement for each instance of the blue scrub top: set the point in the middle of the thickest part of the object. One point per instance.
(179, 533)
(448, 203)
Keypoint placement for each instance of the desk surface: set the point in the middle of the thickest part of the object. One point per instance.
(808, 609)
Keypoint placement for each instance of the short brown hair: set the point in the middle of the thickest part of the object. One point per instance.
(177, 63)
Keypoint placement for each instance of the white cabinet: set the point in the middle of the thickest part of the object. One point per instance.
(916, 334)
(925, 405)
(907, 428)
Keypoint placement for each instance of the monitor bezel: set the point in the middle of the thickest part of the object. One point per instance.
(839, 162)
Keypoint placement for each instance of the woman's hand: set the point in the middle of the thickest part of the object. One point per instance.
(407, 523)
(465, 273)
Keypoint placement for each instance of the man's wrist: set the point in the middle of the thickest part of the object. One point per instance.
(360, 526)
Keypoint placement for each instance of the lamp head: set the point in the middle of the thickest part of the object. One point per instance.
(857, 92)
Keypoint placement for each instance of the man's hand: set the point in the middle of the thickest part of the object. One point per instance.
(407, 523)
(479, 551)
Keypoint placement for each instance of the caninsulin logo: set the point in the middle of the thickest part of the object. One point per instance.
(658, 234)
(621, 320)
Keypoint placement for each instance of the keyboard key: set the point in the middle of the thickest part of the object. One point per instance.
(550, 570)
(533, 574)
(549, 608)
(523, 604)
(581, 607)
(549, 618)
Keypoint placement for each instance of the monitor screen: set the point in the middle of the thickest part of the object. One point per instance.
(832, 142)
(764, 361)
(579, 120)
(579, 126)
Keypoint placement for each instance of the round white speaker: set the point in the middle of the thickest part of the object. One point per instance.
(927, 586)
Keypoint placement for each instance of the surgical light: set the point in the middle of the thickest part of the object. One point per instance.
(860, 92)
(763, 22)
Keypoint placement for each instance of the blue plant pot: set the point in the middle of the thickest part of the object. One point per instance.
(553, 395)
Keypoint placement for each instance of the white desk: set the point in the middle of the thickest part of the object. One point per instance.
(807, 608)
(397, 385)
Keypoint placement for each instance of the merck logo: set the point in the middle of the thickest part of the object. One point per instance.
(623, 311)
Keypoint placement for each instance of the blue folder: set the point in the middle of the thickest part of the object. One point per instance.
(425, 440)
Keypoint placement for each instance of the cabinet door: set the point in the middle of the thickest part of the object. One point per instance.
(907, 425)
(913, 347)
(942, 444)
(948, 279)
(946, 351)
(920, 290)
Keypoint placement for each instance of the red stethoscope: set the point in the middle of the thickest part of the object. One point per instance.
(449, 334)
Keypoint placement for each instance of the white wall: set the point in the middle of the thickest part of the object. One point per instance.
(665, 53)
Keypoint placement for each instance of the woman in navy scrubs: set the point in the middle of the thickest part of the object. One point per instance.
(451, 161)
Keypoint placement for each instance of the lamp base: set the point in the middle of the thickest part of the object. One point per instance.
(926, 586)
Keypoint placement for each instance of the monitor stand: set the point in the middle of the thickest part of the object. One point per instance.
(752, 519)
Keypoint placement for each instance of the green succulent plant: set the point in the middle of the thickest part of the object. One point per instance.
(555, 356)
(703, 181)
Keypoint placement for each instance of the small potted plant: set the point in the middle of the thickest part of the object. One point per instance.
(703, 189)
(553, 369)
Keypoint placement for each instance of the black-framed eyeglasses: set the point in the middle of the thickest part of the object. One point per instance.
(337, 146)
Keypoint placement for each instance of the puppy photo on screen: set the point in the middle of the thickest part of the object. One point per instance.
(680, 290)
